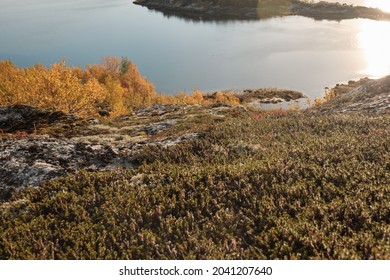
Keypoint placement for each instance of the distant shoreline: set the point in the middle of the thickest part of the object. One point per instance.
(253, 10)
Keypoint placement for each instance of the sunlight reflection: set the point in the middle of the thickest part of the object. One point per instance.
(375, 43)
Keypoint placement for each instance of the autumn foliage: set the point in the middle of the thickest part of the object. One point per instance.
(114, 86)
(54, 88)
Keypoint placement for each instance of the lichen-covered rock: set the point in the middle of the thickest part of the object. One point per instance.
(37, 146)
(32, 161)
(372, 96)
(26, 118)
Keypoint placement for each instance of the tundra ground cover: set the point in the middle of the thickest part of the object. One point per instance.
(254, 185)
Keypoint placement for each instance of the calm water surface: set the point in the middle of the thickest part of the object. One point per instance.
(175, 54)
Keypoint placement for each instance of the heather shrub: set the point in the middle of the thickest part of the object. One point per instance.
(258, 185)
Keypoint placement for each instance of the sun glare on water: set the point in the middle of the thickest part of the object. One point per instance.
(374, 41)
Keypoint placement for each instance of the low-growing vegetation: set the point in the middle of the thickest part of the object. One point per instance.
(278, 184)
(259, 185)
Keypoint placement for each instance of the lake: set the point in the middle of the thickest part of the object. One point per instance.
(178, 55)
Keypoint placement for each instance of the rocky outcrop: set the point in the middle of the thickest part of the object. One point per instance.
(269, 95)
(260, 9)
(30, 161)
(369, 96)
(25, 118)
(37, 146)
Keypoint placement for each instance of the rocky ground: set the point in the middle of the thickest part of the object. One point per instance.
(268, 95)
(372, 96)
(37, 146)
(219, 10)
(213, 182)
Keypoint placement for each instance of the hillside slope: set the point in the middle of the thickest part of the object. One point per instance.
(203, 182)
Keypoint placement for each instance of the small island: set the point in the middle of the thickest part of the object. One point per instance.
(261, 9)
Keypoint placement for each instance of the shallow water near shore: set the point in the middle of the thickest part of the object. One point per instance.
(176, 54)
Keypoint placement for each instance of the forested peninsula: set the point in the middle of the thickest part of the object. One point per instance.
(261, 9)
